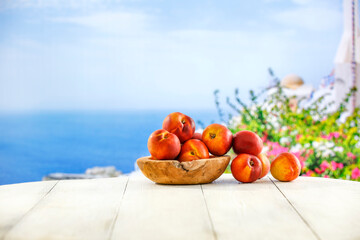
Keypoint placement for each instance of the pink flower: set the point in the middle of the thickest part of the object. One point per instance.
(276, 148)
(331, 135)
(297, 154)
(355, 173)
(309, 152)
(298, 137)
(302, 163)
(326, 176)
(335, 134)
(334, 165)
(340, 165)
(309, 173)
(326, 137)
(324, 165)
(318, 171)
(351, 155)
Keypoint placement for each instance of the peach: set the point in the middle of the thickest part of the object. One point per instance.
(193, 149)
(217, 138)
(179, 124)
(197, 136)
(285, 167)
(163, 145)
(265, 164)
(247, 142)
(246, 168)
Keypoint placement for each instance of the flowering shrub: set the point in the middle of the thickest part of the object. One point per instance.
(325, 145)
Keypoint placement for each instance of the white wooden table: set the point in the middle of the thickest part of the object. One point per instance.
(132, 207)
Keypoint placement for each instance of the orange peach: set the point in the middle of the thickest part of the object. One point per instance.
(193, 149)
(265, 163)
(217, 138)
(285, 167)
(197, 136)
(246, 168)
(163, 145)
(247, 142)
(179, 124)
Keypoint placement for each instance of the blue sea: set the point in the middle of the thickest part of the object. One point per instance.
(33, 145)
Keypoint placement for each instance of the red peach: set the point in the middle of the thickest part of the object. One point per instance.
(246, 168)
(285, 167)
(179, 124)
(193, 149)
(217, 138)
(197, 136)
(265, 163)
(163, 145)
(247, 142)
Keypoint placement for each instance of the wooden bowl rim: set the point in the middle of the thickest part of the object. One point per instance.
(212, 158)
(187, 173)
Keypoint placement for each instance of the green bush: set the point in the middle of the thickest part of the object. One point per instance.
(325, 145)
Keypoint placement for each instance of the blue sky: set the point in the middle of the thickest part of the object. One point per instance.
(160, 54)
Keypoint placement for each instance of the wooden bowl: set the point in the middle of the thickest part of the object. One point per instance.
(175, 172)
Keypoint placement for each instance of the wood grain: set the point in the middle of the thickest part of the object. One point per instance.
(252, 211)
(135, 208)
(175, 172)
(331, 207)
(75, 209)
(18, 199)
(154, 211)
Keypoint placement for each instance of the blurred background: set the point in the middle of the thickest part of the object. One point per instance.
(84, 83)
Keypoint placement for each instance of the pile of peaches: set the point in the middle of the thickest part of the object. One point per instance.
(177, 140)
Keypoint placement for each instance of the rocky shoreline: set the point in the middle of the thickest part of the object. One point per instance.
(90, 173)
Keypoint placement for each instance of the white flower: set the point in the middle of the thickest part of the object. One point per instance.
(284, 128)
(329, 144)
(295, 132)
(307, 145)
(276, 125)
(253, 108)
(328, 153)
(356, 137)
(235, 121)
(296, 148)
(322, 148)
(285, 140)
(338, 149)
(315, 144)
(265, 149)
(316, 118)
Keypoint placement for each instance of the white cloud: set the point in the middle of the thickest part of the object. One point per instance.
(319, 15)
(137, 63)
(118, 22)
(72, 4)
(310, 18)
(302, 2)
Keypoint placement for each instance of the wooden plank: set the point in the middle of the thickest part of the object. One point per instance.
(75, 209)
(153, 211)
(331, 207)
(252, 211)
(17, 199)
